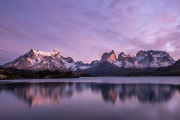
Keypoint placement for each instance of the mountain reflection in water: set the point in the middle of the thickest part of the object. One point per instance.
(37, 94)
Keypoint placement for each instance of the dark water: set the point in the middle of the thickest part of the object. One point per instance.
(112, 98)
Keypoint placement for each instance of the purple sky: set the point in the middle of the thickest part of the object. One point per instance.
(85, 29)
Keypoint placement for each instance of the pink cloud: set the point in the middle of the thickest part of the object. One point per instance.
(5, 49)
(6, 32)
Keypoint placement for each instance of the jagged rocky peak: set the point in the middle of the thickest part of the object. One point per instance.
(112, 52)
(53, 60)
(30, 53)
(39, 60)
(42, 53)
(94, 62)
(79, 63)
(121, 56)
(69, 60)
(112, 56)
(56, 51)
(126, 60)
(105, 56)
(143, 59)
(109, 56)
(154, 58)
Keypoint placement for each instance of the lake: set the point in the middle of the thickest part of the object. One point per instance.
(91, 98)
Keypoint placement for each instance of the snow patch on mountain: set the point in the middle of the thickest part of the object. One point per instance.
(118, 63)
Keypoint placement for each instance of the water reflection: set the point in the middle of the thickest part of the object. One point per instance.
(35, 94)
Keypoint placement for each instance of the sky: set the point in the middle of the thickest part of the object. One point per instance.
(85, 29)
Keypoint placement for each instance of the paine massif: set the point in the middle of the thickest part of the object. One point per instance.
(53, 60)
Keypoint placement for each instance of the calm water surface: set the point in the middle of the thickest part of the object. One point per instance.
(96, 98)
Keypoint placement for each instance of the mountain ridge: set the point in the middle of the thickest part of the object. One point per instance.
(39, 60)
(53, 60)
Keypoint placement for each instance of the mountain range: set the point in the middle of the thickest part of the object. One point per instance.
(39, 60)
(109, 63)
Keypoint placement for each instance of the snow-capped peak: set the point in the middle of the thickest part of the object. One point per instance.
(109, 56)
(154, 58)
(40, 60)
(112, 56)
(55, 51)
(51, 53)
(143, 59)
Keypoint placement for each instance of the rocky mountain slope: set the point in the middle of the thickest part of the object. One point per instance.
(53, 60)
(170, 70)
(143, 59)
(109, 63)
